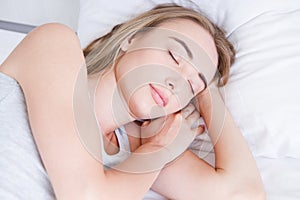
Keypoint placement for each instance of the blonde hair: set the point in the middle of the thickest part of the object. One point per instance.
(100, 53)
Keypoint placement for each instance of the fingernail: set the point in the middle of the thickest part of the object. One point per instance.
(145, 123)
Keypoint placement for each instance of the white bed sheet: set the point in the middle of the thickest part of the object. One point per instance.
(8, 41)
(281, 177)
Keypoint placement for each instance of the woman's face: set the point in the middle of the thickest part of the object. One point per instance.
(160, 69)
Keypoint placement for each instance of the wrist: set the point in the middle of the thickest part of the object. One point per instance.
(147, 158)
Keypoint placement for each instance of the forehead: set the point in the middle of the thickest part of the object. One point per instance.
(183, 37)
(194, 32)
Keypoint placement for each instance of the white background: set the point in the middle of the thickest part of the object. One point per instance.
(37, 12)
(34, 12)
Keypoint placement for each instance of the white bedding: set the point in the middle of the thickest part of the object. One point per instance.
(8, 41)
(281, 177)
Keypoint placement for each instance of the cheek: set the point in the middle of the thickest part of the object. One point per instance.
(138, 107)
(138, 58)
(139, 99)
(178, 103)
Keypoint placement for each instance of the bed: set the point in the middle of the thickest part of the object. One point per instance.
(262, 93)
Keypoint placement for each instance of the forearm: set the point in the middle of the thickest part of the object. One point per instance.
(233, 159)
(232, 154)
(136, 174)
(188, 177)
(235, 173)
(132, 178)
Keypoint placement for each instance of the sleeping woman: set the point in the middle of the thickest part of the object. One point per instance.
(115, 120)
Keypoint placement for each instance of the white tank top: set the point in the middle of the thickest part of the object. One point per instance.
(124, 149)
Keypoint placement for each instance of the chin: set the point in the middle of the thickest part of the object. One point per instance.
(155, 111)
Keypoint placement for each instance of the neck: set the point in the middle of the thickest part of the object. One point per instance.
(110, 109)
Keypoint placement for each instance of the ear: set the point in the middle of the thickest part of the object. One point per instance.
(126, 43)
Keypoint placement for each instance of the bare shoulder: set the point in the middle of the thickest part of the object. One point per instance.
(52, 44)
(48, 65)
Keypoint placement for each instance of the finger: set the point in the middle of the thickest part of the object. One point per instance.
(174, 121)
(198, 122)
(187, 110)
(193, 117)
(153, 127)
(204, 96)
(145, 123)
(200, 130)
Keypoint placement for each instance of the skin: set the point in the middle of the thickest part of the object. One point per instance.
(141, 101)
(154, 49)
(57, 140)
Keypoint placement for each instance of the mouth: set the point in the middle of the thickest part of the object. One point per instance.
(158, 96)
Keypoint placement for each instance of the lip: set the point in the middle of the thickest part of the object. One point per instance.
(158, 96)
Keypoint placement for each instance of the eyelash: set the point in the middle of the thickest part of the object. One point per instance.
(173, 57)
(175, 60)
(192, 88)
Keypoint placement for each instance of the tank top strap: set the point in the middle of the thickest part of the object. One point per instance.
(124, 149)
(123, 140)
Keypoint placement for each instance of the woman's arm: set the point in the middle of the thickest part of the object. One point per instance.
(46, 64)
(235, 175)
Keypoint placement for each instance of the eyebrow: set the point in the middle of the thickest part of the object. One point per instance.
(188, 51)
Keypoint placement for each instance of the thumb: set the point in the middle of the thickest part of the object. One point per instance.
(200, 129)
(145, 123)
(200, 126)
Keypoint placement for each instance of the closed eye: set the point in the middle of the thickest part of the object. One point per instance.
(173, 57)
(203, 79)
(192, 89)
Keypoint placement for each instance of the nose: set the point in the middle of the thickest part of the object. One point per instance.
(178, 84)
(170, 83)
(180, 89)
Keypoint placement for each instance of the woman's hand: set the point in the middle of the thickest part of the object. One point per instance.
(210, 105)
(163, 140)
(203, 102)
(174, 132)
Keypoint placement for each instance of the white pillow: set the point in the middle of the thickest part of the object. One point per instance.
(262, 92)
